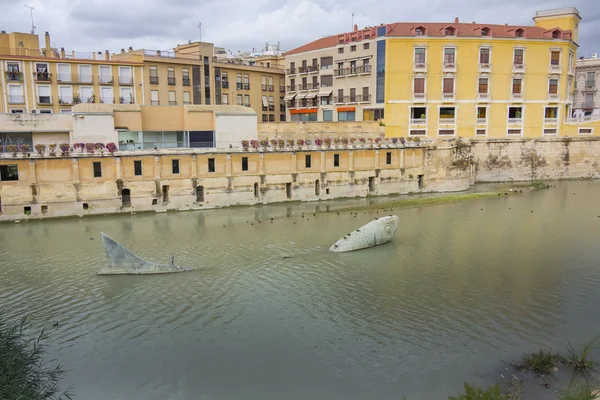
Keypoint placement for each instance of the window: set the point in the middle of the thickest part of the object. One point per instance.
(518, 57)
(336, 160)
(420, 31)
(516, 86)
(308, 161)
(515, 112)
(589, 100)
(211, 165)
(225, 99)
(340, 98)
(153, 75)
(366, 46)
(553, 86)
(154, 98)
(556, 34)
(447, 113)
(326, 80)
(417, 132)
(17, 111)
(126, 95)
(519, 33)
(238, 79)
(586, 131)
(9, 173)
(449, 31)
(175, 166)
(481, 113)
(172, 101)
(170, 75)
(420, 55)
(244, 163)
(483, 85)
(246, 82)
(388, 158)
(97, 169)
(449, 55)
(555, 57)
(186, 98)
(44, 94)
(485, 31)
(514, 132)
(247, 100)
(240, 101)
(365, 94)
(418, 113)
(282, 117)
(480, 132)
(551, 113)
(265, 118)
(353, 48)
(341, 50)
(484, 56)
(137, 167)
(327, 115)
(353, 95)
(346, 115)
(419, 85)
(185, 77)
(365, 62)
(590, 79)
(448, 85)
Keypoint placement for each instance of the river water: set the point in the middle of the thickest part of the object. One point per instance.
(461, 287)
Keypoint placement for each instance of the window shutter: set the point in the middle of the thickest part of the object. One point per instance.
(419, 85)
(448, 85)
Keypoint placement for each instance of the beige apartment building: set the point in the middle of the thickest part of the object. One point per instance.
(334, 79)
(49, 80)
(586, 104)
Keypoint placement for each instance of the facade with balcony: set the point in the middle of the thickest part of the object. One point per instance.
(586, 99)
(335, 78)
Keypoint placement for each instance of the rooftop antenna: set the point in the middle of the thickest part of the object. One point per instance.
(31, 11)
(352, 21)
(200, 28)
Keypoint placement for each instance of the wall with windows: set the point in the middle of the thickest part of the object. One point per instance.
(301, 130)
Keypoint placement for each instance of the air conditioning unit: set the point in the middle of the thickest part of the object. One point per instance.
(33, 111)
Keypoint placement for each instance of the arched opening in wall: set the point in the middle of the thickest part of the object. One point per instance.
(256, 190)
(200, 194)
(126, 198)
(288, 190)
(371, 184)
(165, 194)
(317, 188)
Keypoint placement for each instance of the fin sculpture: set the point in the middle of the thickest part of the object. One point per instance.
(372, 234)
(122, 261)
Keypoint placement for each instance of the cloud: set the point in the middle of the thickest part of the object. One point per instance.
(92, 25)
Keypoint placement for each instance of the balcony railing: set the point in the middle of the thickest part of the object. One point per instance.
(42, 76)
(420, 67)
(65, 78)
(44, 100)
(551, 121)
(154, 80)
(485, 68)
(291, 88)
(246, 86)
(518, 120)
(282, 107)
(448, 96)
(418, 121)
(517, 97)
(481, 121)
(105, 80)
(224, 84)
(125, 80)
(246, 104)
(172, 103)
(271, 108)
(555, 69)
(282, 89)
(447, 121)
(518, 68)
(290, 71)
(86, 79)
(308, 69)
(483, 97)
(270, 88)
(588, 105)
(239, 86)
(126, 100)
(304, 86)
(360, 70)
(590, 85)
(65, 100)
(362, 98)
(131, 145)
(339, 100)
(107, 100)
(14, 76)
(449, 67)
(154, 102)
(263, 88)
(553, 97)
(171, 81)
(16, 99)
(185, 81)
(419, 97)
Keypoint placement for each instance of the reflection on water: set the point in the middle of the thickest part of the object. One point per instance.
(460, 287)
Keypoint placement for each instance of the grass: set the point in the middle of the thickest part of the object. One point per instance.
(472, 392)
(541, 362)
(580, 359)
(577, 392)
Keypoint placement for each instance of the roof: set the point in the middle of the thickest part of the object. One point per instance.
(437, 29)
(93, 108)
(221, 109)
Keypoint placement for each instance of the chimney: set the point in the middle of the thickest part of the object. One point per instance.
(48, 47)
(355, 28)
(456, 20)
(130, 49)
(122, 51)
(106, 55)
(62, 52)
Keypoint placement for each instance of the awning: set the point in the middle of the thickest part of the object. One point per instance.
(301, 96)
(311, 95)
(325, 93)
(289, 97)
(265, 103)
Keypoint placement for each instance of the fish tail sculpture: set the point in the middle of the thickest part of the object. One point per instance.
(376, 232)
(122, 261)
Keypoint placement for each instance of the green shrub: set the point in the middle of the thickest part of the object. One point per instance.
(472, 392)
(542, 362)
(576, 392)
(580, 359)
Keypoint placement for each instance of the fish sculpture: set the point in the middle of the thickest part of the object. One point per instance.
(377, 232)
(122, 261)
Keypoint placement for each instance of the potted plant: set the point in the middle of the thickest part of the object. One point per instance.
(40, 148)
(378, 142)
(111, 147)
(264, 144)
(52, 148)
(344, 142)
(64, 147)
(245, 144)
(11, 148)
(90, 147)
(362, 141)
(273, 144)
(79, 146)
(308, 142)
(352, 141)
(290, 143)
(327, 142)
(394, 141)
(300, 143)
(99, 146)
(25, 149)
(254, 144)
(280, 143)
(318, 142)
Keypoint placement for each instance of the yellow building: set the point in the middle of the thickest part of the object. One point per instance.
(482, 81)
(48, 80)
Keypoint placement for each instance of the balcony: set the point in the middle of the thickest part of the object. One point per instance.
(282, 89)
(313, 68)
(105, 80)
(364, 98)
(263, 88)
(485, 68)
(483, 97)
(588, 105)
(555, 69)
(419, 97)
(447, 121)
(282, 107)
(553, 97)
(65, 78)
(340, 100)
(448, 97)
(154, 103)
(515, 121)
(171, 81)
(246, 104)
(270, 88)
(517, 97)
(590, 85)
(185, 81)
(13, 76)
(450, 67)
(518, 68)
(420, 67)
(125, 80)
(126, 100)
(246, 86)
(154, 80)
(224, 84)
(172, 103)
(291, 88)
(304, 87)
(239, 86)
(16, 99)
(550, 121)
(364, 69)
(42, 77)
(271, 108)
(107, 100)
(65, 100)
(481, 121)
(86, 79)
(418, 121)
(44, 100)
(290, 71)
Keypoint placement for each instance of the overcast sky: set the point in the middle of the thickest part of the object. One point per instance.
(97, 25)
